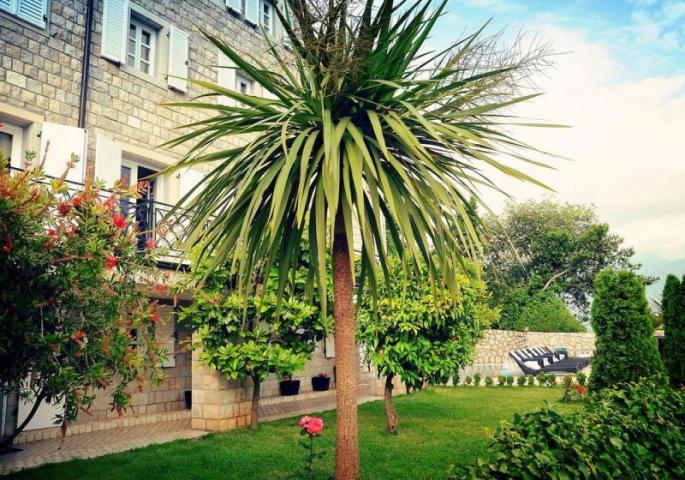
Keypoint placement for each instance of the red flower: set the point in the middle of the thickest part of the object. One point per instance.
(53, 235)
(312, 425)
(111, 262)
(63, 208)
(110, 203)
(119, 221)
(79, 337)
(8, 245)
(160, 289)
(76, 201)
(150, 243)
(580, 389)
(154, 316)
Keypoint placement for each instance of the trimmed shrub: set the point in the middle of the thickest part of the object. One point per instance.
(531, 380)
(510, 380)
(455, 379)
(468, 380)
(476, 379)
(501, 380)
(626, 349)
(673, 314)
(521, 381)
(636, 432)
(581, 378)
(489, 381)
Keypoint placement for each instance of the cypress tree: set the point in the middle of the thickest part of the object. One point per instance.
(626, 348)
(673, 312)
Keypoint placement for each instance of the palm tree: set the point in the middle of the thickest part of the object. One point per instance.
(363, 129)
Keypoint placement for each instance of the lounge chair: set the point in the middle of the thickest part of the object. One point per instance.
(533, 360)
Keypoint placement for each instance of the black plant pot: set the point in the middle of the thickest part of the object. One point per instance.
(321, 384)
(189, 399)
(290, 387)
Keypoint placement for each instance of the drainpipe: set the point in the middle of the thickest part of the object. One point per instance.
(85, 69)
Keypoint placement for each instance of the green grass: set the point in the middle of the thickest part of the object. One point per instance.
(438, 428)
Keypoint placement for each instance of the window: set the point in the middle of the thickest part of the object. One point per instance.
(267, 17)
(142, 40)
(31, 11)
(243, 84)
(11, 143)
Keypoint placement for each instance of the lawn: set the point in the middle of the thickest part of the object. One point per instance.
(439, 428)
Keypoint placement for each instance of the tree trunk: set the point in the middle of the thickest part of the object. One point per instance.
(346, 442)
(254, 411)
(7, 442)
(389, 407)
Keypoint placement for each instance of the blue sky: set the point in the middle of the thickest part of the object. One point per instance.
(649, 34)
(620, 86)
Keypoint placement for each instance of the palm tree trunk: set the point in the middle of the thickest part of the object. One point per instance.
(254, 410)
(346, 442)
(389, 407)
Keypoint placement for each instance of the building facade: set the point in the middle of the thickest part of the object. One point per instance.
(106, 106)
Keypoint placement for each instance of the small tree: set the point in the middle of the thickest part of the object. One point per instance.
(536, 311)
(70, 305)
(673, 313)
(253, 336)
(626, 349)
(419, 336)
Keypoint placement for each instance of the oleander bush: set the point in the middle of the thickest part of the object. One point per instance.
(633, 432)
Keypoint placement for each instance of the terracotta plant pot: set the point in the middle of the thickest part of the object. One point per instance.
(289, 387)
(321, 384)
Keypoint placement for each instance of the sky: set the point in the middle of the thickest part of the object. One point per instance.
(618, 82)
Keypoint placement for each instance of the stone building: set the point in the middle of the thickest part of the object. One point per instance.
(106, 106)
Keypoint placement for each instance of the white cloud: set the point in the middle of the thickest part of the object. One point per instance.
(626, 142)
(495, 5)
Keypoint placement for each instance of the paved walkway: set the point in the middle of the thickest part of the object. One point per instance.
(91, 445)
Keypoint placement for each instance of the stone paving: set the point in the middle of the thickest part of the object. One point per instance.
(91, 445)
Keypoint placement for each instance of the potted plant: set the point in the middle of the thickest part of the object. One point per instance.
(321, 382)
(289, 387)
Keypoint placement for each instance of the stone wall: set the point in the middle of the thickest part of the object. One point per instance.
(492, 351)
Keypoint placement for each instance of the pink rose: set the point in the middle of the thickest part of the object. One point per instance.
(304, 421)
(314, 426)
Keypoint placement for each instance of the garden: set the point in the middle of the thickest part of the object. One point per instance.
(353, 210)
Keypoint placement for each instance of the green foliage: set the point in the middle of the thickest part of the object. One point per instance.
(489, 381)
(476, 379)
(468, 380)
(563, 246)
(510, 380)
(536, 311)
(637, 432)
(253, 336)
(420, 337)
(581, 378)
(626, 348)
(531, 380)
(70, 306)
(673, 314)
(521, 381)
(362, 126)
(501, 380)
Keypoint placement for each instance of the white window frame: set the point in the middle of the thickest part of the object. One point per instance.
(17, 149)
(140, 26)
(15, 12)
(267, 22)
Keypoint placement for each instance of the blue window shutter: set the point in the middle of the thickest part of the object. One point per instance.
(235, 5)
(33, 11)
(114, 30)
(178, 59)
(252, 11)
(8, 5)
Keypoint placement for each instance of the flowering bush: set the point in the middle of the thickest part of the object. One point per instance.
(70, 308)
(310, 427)
(572, 391)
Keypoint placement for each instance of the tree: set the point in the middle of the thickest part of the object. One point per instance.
(673, 313)
(626, 349)
(546, 245)
(361, 126)
(536, 311)
(421, 335)
(254, 336)
(70, 305)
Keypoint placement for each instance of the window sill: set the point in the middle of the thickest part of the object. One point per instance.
(20, 21)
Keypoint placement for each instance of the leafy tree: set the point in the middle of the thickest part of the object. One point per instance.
(544, 245)
(626, 349)
(70, 306)
(420, 335)
(252, 337)
(673, 313)
(539, 311)
(361, 127)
